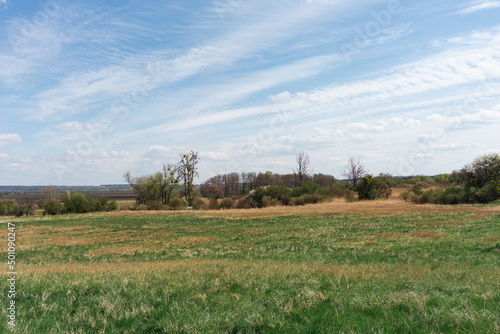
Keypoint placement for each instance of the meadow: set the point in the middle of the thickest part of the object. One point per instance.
(363, 267)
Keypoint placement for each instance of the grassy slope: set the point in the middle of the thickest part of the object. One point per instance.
(362, 273)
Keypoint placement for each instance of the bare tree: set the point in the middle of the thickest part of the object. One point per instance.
(187, 172)
(354, 172)
(50, 192)
(303, 170)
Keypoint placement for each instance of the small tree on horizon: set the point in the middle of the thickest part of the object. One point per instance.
(154, 187)
(188, 170)
(303, 170)
(354, 172)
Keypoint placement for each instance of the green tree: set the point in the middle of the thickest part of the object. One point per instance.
(483, 169)
(75, 202)
(156, 187)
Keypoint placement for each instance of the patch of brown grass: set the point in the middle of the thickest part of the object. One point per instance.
(438, 224)
(195, 240)
(428, 235)
(389, 235)
(492, 239)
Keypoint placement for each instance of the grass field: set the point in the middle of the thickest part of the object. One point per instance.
(366, 267)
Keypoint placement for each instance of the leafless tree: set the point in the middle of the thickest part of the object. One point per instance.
(354, 172)
(50, 193)
(188, 171)
(303, 170)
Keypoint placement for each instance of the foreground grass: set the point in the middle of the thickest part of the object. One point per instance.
(348, 273)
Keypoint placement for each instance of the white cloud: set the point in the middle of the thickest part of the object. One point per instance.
(467, 120)
(69, 127)
(479, 6)
(9, 138)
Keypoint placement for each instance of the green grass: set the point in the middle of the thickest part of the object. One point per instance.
(342, 273)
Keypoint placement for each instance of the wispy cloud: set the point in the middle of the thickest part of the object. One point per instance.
(479, 5)
(9, 138)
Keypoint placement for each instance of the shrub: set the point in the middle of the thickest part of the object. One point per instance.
(41, 204)
(431, 196)
(278, 193)
(75, 203)
(26, 209)
(372, 188)
(268, 201)
(112, 206)
(141, 207)
(246, 203)
(454, 195)
(102, 204)
(200, 204)
(156, 205)
(53, 207)
(405, 195)
(213, 204)
(417, 190)
(226, 203)
(306, 188)
(337, 191)
(312, 198)
(296, 201)
(8, 208)
(350, 197)
(177, 204)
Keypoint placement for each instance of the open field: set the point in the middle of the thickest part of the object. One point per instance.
(338, 267)
(33, 197)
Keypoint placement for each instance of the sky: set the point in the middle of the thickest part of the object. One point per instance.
(91, 89)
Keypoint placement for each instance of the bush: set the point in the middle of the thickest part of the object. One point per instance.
(26, 209)
(155, 205)
(141, 207)
(312, 198)
(454, 195)
(177, 204)
(431, 196)
(226, 203)
(417, 190)
(112, 206)
(279, 193)
(307, 188)
(405, 195)
(53, 207)
(213, 204)
(296, 201)
(268, 201)
(337, 191)
(200, 204)
(370, 188)
(350, 197)
(75, 203)
(8, 208)
(246, 203)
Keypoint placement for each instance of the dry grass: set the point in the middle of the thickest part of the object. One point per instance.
(433, 235)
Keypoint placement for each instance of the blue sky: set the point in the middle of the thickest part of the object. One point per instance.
(91, 89)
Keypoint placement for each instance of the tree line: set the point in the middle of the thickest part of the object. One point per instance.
(476, 182)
